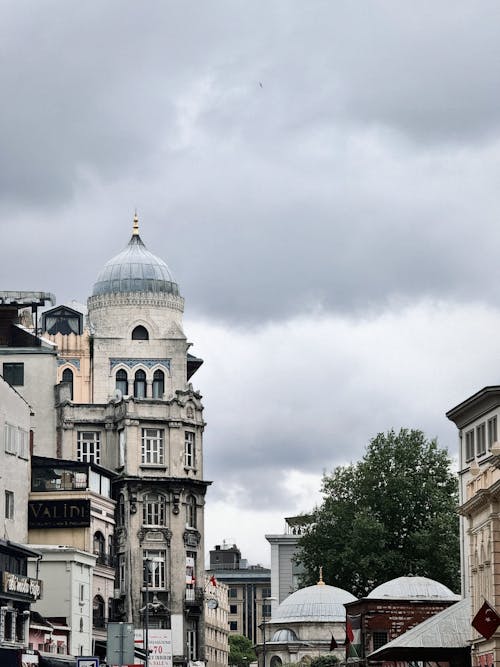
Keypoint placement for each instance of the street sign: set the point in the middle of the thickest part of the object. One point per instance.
(83, 661)
(120, 646)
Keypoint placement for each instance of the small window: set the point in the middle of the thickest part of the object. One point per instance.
(13, 373)
(152, 446)
(89, 446)
(469, 446)
(9, 504)
(492, 431)
(481, 439)
(11, 436)
(266, 610)
(67, 377)
(379, 640)
(140, 384)
(189, 449)
(233, 592)
(158, 384)
(191, 511)
(233, 608)
(153, 510)
(140, 333)
(233, 625)
(122, 381)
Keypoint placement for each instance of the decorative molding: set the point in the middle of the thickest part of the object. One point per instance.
(69, 360)
(160, 299)
(144, 533)
(192, 538)
(131, 362)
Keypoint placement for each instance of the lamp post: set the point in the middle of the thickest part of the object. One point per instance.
(147, 565)
(270, 599)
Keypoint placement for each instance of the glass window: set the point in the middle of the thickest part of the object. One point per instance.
(469, 446)
(154, 510)
(11, 437)
(158, 384)
(154, 573)
(23, 444)
(140, 333)
(152, 446)
(13, 373)
(233, 625)
(379, 639)
(89, 446)
(492, 431)
(67, 377)
(233, 608)
(191, 511)
(98, 615)
(9, 504)
(122, 381)
(100, 547)
(481, 439)
(140, 384)
(121, 510)
(189, 449)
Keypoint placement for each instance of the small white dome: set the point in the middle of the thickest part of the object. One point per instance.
(285, 635)
(413, 588)
(314, 603)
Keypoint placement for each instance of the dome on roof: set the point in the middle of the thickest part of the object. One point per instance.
(314, 603)
(413, 588)
(285, 635)
(135, 269)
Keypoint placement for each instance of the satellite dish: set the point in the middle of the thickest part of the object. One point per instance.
(117, 395)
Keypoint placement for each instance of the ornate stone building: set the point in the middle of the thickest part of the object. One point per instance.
(124, 401)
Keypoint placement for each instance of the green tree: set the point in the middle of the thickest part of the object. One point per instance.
(391, 514)
(327, 660)
(241, 651)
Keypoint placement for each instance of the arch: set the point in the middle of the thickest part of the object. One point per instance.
(158, 383)
(121, 381)
(191, 513)
(140, 333)
(140, 384)
(275, 661)
(98, 612)
(67, 376)
(99, 543)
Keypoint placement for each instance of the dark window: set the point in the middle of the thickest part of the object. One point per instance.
(140, 333)
(481, 439)
(379, 639)
(158, 384)
(191, 511)
(122, 381)
(233, 608)
(233, 593)
(469, 446)
(266, 610)
(67, 376)
(266, 593)
(140, 384)
(98, 618)
(100, 548)
(492, 431)
(14, 374)
(233, 625)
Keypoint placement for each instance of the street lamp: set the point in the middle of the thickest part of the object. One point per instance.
(270, 599)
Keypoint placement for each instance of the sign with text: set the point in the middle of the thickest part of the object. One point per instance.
(159, 645)
(58, 513)
(17, 584)
(82, 661)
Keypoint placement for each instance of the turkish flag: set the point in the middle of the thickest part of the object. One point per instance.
(486, 621)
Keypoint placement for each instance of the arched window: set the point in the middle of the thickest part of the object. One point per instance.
(100, 547)
(158, 384)
(140, 384)
(98, 615)
(122, 381)
(153, 510)
(276, 661)
(67, 376)
(191, 511)
(140, 333)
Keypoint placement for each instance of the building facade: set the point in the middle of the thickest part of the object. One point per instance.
(216, 623)
(285, 572)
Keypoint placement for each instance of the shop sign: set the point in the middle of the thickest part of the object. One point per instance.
(58, 513)
(19, 585)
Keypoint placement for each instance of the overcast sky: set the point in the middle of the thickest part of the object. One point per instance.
(322, 179)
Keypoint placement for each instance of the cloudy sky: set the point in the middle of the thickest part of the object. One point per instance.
(322, 179)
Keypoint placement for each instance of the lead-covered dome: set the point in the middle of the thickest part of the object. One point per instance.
(314, 603)
(413, 588)
(135, 269)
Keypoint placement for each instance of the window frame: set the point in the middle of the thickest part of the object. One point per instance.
(481, 439)
(157, 576)
(153, 510)
(88, 450)
(9, 505)
(469, 446)
(14, 369)
(189, 449)
(152, 446)
(492, 424)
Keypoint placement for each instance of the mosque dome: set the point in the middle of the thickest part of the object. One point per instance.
(314, 604)
(285, 636)
(135, 269)
(413, 588)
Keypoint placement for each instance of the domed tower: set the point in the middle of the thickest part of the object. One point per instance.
(145, 422)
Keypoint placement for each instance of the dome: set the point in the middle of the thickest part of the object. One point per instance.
(285, 636)
(135, 269)
(314, 603)
(413, 588)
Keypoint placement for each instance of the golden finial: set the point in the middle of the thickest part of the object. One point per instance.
(321, 582)
(135, 229)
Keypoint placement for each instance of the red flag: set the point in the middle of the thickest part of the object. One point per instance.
(349, 631)
(486, 621)
(213, 580)
(333, 644)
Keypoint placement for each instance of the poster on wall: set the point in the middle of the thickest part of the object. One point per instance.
(159, 644)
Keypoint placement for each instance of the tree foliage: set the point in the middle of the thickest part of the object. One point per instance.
(327, 660)
(241, 651)
(389, 515)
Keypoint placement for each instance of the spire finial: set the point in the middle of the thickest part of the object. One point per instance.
(321, 582)
(135, 229)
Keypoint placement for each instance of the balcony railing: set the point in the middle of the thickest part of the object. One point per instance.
(104, 559)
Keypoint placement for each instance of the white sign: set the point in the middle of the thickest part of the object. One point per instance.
(159, 645)
(87, 662)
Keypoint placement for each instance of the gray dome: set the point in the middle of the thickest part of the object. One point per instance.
(285, 635)
(135, 269)
(314, 603)
(413, 588)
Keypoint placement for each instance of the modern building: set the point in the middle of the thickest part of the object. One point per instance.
(249, 590)
(285, 571)
(302, 626)
(216, 623)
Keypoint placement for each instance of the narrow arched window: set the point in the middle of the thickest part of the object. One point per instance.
(140, 384)
(98, 618)
(140, 333)
(158, 384)
(122, 381)
(67, 377)
(191, 511)
(100, 547)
